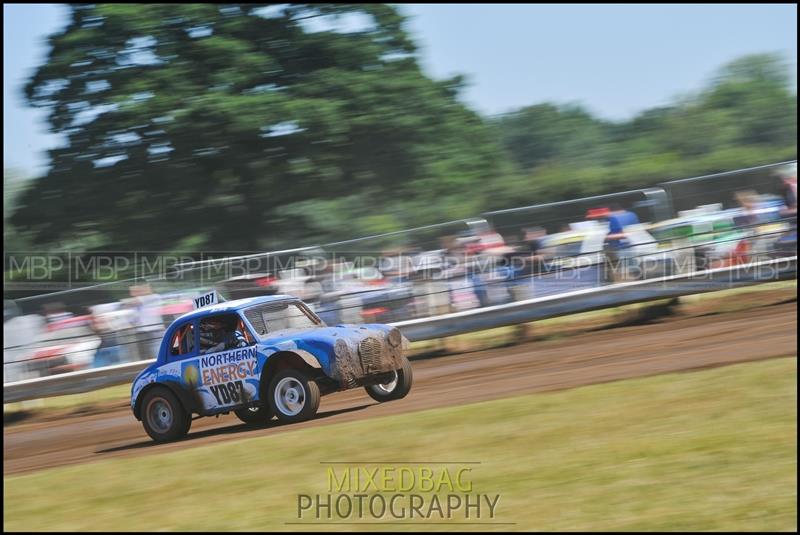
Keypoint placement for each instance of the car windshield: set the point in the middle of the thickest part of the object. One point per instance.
(273, 317)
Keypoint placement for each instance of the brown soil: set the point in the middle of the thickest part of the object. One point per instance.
(690, 336)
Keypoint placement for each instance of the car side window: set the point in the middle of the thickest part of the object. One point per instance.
(182, 342)
(222, 332)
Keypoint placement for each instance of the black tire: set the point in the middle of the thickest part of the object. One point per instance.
(402, 385)
(254, 415)
(305, 403)
(163, 416)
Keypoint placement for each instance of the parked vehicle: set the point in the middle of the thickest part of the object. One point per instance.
(67, 345)
(364, 295)
(719, 238)
(584, 246)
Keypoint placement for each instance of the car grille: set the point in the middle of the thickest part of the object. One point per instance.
(369, 349)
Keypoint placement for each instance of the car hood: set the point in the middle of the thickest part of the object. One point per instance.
(328, 335)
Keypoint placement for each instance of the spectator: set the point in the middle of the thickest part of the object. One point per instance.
(615, 241)
(618, 219)
(530, 250)
(147, 320)
(748, 200)
(787, 243)
(111, 348)
(789, 194)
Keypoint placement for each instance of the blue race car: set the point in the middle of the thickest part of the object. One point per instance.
(262, 357)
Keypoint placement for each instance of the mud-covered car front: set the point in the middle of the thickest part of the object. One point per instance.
(368, 355)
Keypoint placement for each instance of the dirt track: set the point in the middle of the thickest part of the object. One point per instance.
(677, 343)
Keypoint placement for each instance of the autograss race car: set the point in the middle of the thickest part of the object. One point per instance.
(262, 357)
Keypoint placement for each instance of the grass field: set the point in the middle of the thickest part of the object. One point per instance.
(112, 393)
(708, 450)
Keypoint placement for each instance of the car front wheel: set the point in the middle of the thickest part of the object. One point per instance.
(397, 388)
(293, 397)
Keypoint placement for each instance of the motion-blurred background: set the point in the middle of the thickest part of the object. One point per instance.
(180, 133)
(458, 171)
(262, 127)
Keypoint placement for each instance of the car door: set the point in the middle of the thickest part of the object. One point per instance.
(181, 349)
(225, 379)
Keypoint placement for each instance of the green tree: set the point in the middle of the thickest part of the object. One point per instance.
(15, 182)
(746, 116)
(748, 103)
(544, 132)
(755, 90)
(199, 123)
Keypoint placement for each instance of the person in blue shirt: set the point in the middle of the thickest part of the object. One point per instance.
(618, 219)
(615, 241)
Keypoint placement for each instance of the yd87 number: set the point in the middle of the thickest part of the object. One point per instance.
(227, 393)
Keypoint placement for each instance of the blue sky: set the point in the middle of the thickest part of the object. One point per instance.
(617, 60)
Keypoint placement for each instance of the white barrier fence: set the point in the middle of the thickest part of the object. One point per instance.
(472, 320)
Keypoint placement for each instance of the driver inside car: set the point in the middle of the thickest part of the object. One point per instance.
(216, 336)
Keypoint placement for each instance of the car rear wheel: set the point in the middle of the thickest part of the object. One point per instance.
(293, 397)
(397, 388)
(163, 416)
(254, 415)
